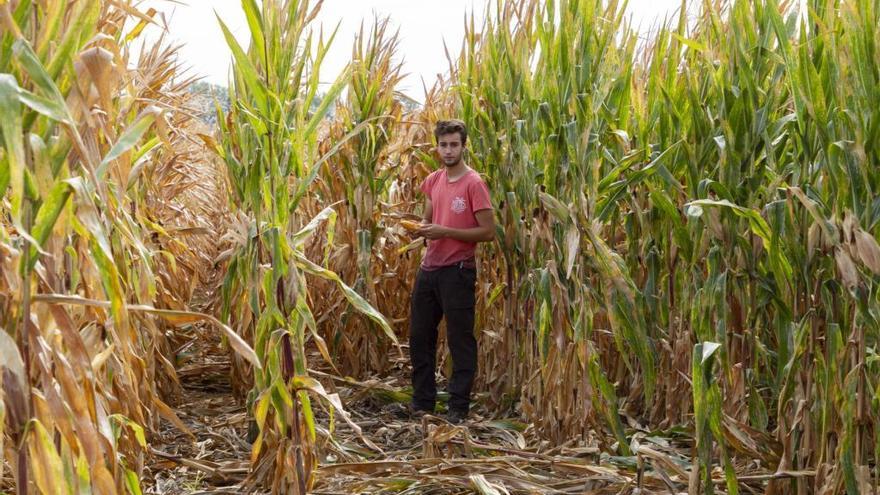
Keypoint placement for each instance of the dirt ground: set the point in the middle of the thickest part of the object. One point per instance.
(425, 455)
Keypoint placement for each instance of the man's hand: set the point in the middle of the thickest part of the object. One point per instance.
(485, 232)
(433, 231)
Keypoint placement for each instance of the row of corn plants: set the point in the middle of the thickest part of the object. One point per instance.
(88, 247)
(269, 143)
(688, 216)
(357, 178)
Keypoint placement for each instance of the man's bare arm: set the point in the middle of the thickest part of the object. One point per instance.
(429, 211)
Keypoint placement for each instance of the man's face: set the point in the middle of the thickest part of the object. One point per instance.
(449, 147)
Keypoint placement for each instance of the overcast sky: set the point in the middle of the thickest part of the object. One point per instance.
(423, 25)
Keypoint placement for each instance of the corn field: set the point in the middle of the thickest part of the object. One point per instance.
(683, 295)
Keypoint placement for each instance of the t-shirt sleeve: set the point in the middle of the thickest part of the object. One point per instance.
(480, 196)
(428, 184)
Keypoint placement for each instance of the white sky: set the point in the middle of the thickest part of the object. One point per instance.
(423, 25)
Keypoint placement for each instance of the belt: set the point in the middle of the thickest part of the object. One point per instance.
(466, 264)
(470, 264)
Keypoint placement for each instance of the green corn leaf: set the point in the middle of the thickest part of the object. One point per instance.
(245, 67)
(11, 125)
(126, 141)
(47, 216)
(355, 299)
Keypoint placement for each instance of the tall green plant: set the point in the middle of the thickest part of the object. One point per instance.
(269, 146)
(712, 184)
(82, 352)
(362, 171)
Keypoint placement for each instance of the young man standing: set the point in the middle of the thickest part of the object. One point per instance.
(458, 215)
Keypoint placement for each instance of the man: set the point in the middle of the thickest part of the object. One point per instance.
(458, 215)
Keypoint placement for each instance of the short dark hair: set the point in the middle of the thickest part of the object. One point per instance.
(452, 126)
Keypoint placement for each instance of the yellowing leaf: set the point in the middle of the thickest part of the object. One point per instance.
(46, 465)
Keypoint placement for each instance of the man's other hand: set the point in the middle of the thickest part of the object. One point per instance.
(433, 231)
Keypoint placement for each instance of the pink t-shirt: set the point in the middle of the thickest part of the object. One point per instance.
(454, 205)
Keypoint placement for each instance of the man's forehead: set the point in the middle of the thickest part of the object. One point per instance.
(450, 138)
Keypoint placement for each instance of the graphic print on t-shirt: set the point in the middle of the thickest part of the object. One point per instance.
(459, 205)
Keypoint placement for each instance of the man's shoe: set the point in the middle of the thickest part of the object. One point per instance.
(417, 413)
(455, 416)
(397, 410)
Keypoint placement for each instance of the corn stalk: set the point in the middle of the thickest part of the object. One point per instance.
(360, 176)
(85, 365)
(711, 184)
(269, 145)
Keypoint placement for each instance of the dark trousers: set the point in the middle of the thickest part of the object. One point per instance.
(448, 292)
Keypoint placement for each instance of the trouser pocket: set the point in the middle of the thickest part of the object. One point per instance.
(458, 288)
